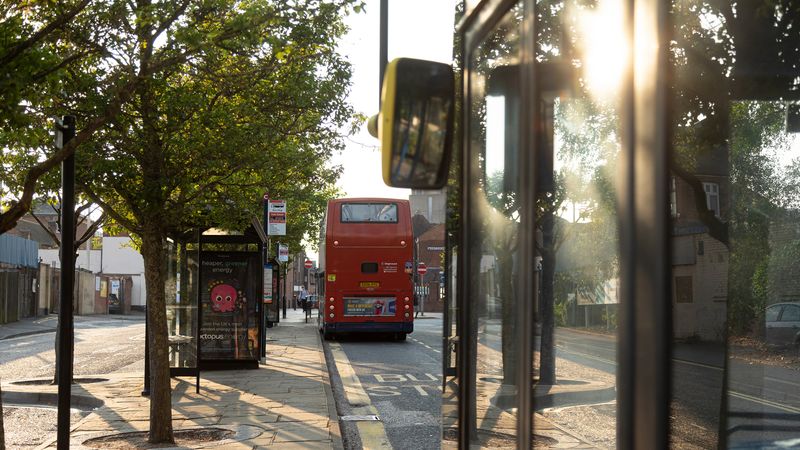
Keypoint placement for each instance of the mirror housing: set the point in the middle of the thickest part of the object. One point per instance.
(415, 126)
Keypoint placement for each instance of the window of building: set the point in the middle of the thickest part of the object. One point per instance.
(712, 197)
(683, 289)
(673, 198)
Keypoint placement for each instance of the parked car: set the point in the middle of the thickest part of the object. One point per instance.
(783, 324)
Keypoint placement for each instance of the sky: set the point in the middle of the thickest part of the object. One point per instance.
(430, 37)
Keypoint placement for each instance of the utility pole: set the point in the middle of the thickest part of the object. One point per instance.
(65, 131)
(384, 52)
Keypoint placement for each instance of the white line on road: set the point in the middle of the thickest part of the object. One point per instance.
(739, 395)
(761, 401)
(372, 433)
(586, 355)
(425, 345)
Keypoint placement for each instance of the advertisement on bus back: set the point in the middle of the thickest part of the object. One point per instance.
(369, 306)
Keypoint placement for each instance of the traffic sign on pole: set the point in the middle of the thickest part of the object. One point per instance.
(422, 268)
(309, 264)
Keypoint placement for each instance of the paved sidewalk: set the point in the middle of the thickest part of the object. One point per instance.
(49, 323)
(286, 403)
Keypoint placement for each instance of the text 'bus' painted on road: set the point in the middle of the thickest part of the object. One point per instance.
(390, 391)
(401, 378)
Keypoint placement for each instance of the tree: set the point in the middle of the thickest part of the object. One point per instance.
(40, 42)
(216, 102)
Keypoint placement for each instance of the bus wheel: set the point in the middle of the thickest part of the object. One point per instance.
(327, 335)
(400, 337)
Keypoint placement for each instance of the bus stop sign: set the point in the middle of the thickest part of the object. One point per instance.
(422, 269)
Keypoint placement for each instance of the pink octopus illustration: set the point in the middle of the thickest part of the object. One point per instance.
(223, 298)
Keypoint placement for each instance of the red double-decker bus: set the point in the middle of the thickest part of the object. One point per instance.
(366, 260)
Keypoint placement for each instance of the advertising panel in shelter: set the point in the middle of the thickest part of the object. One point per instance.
(228, 299)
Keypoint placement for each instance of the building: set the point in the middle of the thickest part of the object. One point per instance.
(700, 260)
(432, 205)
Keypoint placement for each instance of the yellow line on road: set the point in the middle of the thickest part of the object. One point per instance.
(372, 433)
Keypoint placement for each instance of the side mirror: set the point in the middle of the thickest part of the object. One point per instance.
(415, 126)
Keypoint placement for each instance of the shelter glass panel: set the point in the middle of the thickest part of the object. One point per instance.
(735, 93)
(181, 288)
(494, 267)
(580, 60)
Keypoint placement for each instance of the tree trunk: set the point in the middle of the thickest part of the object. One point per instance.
(160, 385)
(547, 356)
(58, 329)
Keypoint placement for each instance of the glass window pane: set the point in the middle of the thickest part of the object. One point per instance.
(790, 314)
(772, 313)
(734, 78)
(494, 261)
(576, 339)
(181, 300)
(369, 212)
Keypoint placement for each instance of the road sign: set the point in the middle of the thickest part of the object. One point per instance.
(422, 269)
(309, 264)
(276, 220)
(283, 253)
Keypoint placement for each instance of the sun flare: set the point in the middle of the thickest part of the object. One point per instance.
(605, 48)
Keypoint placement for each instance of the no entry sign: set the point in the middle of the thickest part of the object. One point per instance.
(309, 264)
(422, 269)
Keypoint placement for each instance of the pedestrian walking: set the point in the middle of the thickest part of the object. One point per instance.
(304, 300)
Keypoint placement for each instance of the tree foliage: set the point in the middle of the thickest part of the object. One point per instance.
(188, 112)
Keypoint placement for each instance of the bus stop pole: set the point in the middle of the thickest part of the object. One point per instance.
(66, 131)
(283, 291)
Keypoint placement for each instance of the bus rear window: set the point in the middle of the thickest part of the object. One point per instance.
(369, 267)
(369, 212)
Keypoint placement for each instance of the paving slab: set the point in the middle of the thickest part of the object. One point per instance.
(286, 400)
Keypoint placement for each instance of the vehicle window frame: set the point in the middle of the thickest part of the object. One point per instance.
(789, 308)
(778, 308)
(396, 215)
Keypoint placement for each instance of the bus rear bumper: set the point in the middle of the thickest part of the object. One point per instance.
(369, 327)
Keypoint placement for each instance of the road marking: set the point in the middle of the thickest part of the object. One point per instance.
(582, 405)
(400, 378)
(586, 355)
(420, 390)
(425, 345)
(431, 377)
(761, 401)
(390, 378)
(781, 381)
(372, 433)
(692, 363)
(383, 391)
(739, 395)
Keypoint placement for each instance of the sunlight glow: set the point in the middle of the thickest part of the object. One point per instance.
(606, 48)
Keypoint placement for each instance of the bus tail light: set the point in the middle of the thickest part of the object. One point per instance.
(406, 299)
(407, 306)
(407, 315)
(330, 315)
(331, 308)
